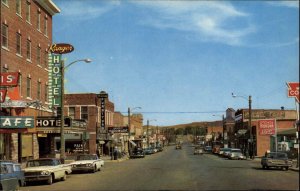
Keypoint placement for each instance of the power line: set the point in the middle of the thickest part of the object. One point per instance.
(177, 112)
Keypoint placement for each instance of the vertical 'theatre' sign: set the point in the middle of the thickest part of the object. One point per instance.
(55, 77)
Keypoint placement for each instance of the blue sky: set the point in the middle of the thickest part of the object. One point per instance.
(173, 57)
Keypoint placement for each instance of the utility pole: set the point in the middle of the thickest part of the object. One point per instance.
(148, 133)
(250, 125)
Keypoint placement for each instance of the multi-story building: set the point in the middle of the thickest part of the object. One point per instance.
(26, 34)
(87, 106)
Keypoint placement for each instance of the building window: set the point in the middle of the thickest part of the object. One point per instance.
(84, 112)
(4, 35)
(38, 21)
(39, 90)
(46, 26)
(46, 59)
(18, 7)
(46, 93)
(20, 84)
(28, 87)
(72, 112)
(18, 44)
(38, 55)
(28, 19)
(28, 51)
(5, 2)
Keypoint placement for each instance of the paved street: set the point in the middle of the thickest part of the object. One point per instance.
(179, 170)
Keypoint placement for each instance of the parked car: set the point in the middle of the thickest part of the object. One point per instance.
(276, 159)
(236, 154)
(148, 151)
(198, 150)
(223, 150)
(137, 153)
(208, 148)
(87, 162)
(46, 169)
(11, 175)
(178, 147)
(159, 148)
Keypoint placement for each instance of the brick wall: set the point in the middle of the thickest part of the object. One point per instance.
(18, 63)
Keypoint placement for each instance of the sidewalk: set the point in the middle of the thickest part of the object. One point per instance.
(108, 158)
(293, 167)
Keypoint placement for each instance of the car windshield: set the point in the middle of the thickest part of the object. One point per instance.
(35, 163)
(87, 157)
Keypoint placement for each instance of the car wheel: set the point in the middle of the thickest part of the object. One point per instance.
(64, 177)
(95, 169)
(50, 180)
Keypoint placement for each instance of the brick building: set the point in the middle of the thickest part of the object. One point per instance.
(285, 120)
(26, 34)
(87, 106)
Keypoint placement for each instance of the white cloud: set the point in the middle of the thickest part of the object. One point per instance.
(85, 10)
(208, 20)
(286, 3)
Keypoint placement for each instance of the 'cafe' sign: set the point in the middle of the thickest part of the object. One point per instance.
(61, 48)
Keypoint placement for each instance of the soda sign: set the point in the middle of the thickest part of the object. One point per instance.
(293, 90)
(267, 126)
(9, 79)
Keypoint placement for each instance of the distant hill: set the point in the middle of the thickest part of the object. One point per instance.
(196, 124)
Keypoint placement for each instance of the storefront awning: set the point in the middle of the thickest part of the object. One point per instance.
(290, 131)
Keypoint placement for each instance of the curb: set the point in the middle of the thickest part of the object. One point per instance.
(118, 160)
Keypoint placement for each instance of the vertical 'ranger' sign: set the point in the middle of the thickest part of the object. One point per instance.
(55, 76)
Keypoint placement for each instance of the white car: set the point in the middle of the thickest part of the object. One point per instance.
(87, 162)
(46, 169)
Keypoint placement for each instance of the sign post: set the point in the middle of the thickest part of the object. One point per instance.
(293, 91)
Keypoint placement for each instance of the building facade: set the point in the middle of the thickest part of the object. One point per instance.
(87, 107)
(284, 120)
(26, 34)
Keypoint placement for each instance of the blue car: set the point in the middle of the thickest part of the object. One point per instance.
(11, 175)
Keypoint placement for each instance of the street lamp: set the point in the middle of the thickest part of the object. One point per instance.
(250, 122)
(62, 135)
(148, 121)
